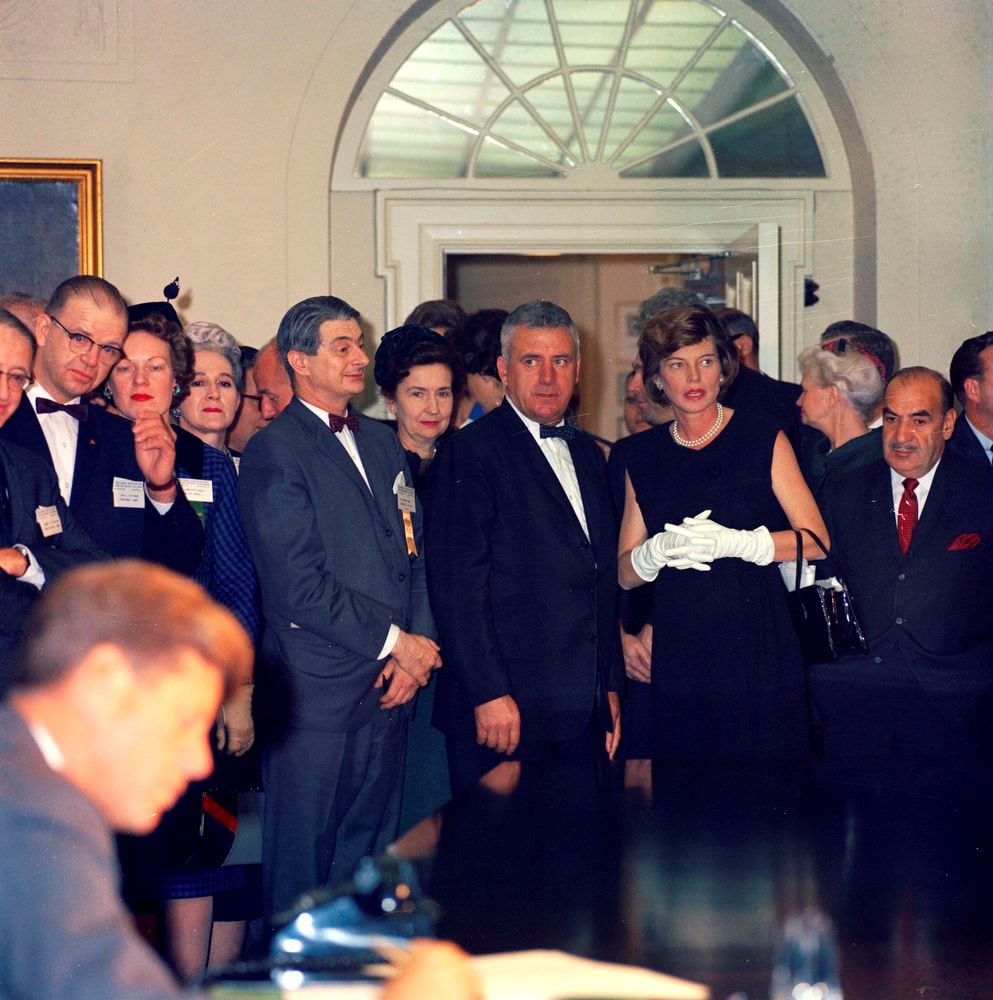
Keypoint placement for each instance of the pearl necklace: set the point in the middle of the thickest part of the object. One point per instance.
(704, 438)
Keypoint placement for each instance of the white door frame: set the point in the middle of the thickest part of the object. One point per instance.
(416, 230)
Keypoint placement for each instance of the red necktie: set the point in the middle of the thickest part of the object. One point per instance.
(906, 515)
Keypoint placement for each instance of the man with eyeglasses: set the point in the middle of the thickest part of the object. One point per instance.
(39, 537)
(118, 478)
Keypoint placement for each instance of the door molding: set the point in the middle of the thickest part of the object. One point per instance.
(416, 230)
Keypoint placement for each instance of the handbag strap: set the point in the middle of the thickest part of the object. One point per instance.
(819, 543)
(799, 559)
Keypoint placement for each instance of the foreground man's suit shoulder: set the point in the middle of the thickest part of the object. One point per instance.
(63, 929)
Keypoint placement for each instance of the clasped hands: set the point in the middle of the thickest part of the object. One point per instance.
(408, 668)
(696, 543)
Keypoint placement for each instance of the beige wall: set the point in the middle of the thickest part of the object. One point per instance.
(216, 124)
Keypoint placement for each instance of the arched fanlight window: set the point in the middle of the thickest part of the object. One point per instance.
(548, 88)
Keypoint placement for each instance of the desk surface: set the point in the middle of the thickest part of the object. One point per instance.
(693, 869)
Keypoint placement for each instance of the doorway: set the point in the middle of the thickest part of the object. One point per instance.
(601, 292)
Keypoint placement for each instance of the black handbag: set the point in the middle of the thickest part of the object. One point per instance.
(824, 618)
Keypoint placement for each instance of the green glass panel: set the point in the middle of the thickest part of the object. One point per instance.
(667, 37)
(517, 124)
(403, 140)
(592, 93)
(591, 32)
(776, 142)
(665, 127)
(683, 161)
(517, 37)
(447, 73)
(550, 101)
(733, 75)
(496, 160)
(634, 99)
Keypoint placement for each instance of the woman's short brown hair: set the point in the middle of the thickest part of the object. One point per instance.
(180, 348)
(673, 329)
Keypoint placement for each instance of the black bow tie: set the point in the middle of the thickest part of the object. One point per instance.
(339, 423)
(565, 431)
(80, 411)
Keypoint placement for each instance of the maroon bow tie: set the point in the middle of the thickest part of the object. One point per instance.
(78, 410)
(338, 423)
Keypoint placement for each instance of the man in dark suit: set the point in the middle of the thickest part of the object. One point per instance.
(117, 478)
(522, 554)
(752, 388)
(912, 535)
(972, 381)
(111, 715)
(334, 529)
(39, 537)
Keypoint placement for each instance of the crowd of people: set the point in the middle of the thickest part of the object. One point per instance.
(470, 581)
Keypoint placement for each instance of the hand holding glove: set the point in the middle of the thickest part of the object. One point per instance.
(755, 546)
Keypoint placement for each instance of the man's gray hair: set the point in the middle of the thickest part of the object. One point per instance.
(211, 337)
(541, 315)
(300, 329)
(663, 299)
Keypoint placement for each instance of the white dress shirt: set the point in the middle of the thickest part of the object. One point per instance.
(62, 435)
(557, 453)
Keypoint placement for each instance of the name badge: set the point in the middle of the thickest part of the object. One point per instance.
(48, 520)
(128, 492)
(198, 489)
(406, 498)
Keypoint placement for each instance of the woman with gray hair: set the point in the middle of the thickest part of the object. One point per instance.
(842, 384)
(214, 394)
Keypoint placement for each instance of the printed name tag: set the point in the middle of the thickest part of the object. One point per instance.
(406, 499)
(128, 493)
(198, 489)
(48, 520)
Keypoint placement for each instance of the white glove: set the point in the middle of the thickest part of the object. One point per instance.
(676, 547)
(755, 546)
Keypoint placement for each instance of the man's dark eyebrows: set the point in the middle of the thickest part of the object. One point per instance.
(917, 413)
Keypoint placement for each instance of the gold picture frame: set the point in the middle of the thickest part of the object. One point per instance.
(51, 222)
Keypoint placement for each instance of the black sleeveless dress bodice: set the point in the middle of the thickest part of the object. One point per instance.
(728, 680)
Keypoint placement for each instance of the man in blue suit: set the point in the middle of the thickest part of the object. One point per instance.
(39, 537)
(117, 478)
(972, 380)
(912, 535)
(522, 557)
(335, 532)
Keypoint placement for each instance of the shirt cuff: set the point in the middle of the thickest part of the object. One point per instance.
(162, 508)
(391, 641)
(34, 574)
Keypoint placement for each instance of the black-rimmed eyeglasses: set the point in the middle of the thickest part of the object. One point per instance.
(258, 399)
(80, 343)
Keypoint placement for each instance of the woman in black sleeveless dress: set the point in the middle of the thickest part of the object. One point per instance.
(711, 499)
